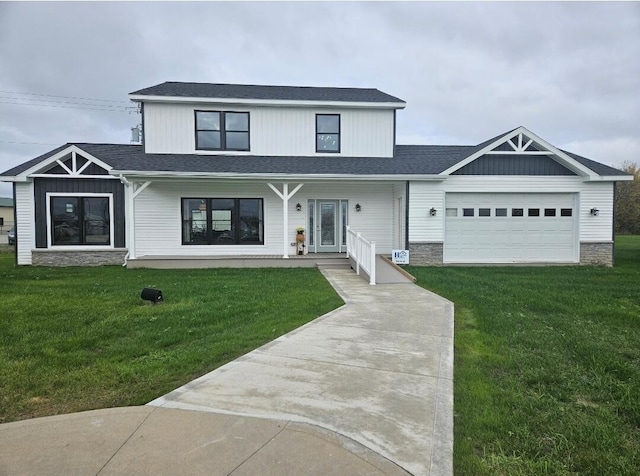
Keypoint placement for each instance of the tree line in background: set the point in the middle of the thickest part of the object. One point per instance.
(628, 201)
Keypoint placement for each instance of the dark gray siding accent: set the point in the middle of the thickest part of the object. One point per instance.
(509, 164)
(93, 169)
(64, 185)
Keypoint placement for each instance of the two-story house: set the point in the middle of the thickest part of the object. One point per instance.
(233, 170)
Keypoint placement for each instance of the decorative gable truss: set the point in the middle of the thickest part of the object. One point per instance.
(71, 162)
(520, 152)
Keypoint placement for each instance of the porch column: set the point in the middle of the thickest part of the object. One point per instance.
(131, 192)
(285, 196)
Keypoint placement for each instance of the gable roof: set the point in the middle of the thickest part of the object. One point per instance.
(257, 92)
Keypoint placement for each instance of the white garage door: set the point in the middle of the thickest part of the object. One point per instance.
(510, 228)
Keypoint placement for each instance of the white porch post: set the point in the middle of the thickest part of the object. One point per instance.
(285, 196)
(130, 226)
(285, 218)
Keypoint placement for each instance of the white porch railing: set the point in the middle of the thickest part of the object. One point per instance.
(363, 252)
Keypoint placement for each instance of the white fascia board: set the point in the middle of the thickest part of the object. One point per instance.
(269, 102)
(132, 174)
(567, 160)
(72, 148)
(14, 178)
(609, 178)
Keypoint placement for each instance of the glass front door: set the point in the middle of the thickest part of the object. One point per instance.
(325, 226)
(328, 222)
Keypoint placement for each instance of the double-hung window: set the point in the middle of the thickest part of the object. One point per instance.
(222, 130)
(80, 220)
(328, 133)
(222, 221)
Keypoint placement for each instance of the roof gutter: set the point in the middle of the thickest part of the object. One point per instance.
(267, 102)
(274, 176)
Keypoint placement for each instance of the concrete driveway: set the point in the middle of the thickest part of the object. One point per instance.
(378, 371)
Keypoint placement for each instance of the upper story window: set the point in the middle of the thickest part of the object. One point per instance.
(222, 130)
(327, 132)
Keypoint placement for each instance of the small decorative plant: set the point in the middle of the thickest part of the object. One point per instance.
(300, 230)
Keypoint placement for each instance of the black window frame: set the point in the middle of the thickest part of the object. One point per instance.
(223, 131)
(337, 133)
(83, 222)
(210, 236)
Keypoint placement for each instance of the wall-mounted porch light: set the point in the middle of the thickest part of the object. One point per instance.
(298, 207)
(594, 212)
(358, 207)
(433, 211)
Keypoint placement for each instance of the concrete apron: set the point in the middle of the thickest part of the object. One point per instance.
(378, 370)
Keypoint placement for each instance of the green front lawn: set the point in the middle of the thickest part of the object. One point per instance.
(74, 339)
(547, 366)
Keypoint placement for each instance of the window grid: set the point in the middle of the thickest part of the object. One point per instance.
(328, 133)
(222, 130)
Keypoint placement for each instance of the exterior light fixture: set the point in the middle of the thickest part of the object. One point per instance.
(433, 211)
(358, 207)
(153, 295)
(298, 207)
(594, 212)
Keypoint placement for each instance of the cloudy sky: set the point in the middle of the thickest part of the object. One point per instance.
(570, 72)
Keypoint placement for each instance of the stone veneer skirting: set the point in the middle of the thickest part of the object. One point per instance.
(421, 254)
(600, 254)
(47, 257)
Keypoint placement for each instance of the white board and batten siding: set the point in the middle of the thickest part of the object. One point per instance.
(25, 231)
(158, 216)
(281, 131)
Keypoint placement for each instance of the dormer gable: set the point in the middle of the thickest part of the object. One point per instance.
(519, 152)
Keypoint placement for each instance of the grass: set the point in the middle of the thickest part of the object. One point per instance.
(74, 339)
(547, 366)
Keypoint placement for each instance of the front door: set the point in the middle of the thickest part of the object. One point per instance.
(327, 226)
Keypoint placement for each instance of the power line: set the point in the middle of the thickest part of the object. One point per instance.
(25, 143)
(103, 108)
(63, 97)
(66, 102)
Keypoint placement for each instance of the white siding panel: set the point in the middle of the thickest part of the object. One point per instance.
(25, 231)
(422, 226)
(169, 128)
(596, 228)
(375, 220)
(158, 217)
(273, 130)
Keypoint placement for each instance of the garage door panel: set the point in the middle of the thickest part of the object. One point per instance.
(541, 234)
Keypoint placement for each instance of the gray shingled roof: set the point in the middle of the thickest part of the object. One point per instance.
(408, 160)
(287, 93)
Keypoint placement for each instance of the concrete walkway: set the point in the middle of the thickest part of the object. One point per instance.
(364, 389)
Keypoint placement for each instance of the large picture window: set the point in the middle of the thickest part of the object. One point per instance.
(222, 130)
(77, 220)
(327, 132)
(222, 221)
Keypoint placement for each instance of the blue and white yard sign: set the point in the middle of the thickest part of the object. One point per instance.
(400, 256)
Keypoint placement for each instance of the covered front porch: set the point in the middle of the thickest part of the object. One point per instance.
(240, 223)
